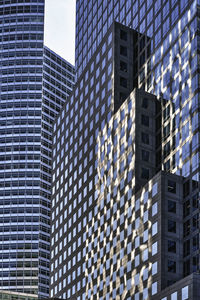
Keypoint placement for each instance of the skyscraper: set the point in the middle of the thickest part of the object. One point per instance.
(35, 83)
(109, 240)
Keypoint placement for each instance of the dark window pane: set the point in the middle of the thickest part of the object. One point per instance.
(186, 248)
(145, 103)
(123, 66)
(145, 120)
(171, 206)
(123, 50)
(123, 35)
(145, 138)
(171, 246)
(172, 186)
(145, 173)
(171, 266)
(171, 226)
(145, 155)
(123, 82)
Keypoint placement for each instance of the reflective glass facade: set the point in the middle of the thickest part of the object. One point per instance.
(95, 245)
(29, 101)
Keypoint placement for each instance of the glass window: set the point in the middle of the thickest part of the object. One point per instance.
(145, 293)
(145, 236)
(145, 254)
(174, 296)
(145, 173)
(171, 266)
(145, 120)
(137, 260)
(137, 241)
(171, 206)
(185, 294)
(171, 226)
(172, 186)
(154, 209)
(137, 279)
(145, 155)
(154, 288)
(154, 228)
(171, 246)
(145, 138)
(154, 268)
(145, 216)
(154, 248)
(145, 274)
(154, 189)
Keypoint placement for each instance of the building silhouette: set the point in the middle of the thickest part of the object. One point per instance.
(35, 83)
(125, 173)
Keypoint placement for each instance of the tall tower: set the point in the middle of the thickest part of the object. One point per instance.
(103, 234)
(31, 94)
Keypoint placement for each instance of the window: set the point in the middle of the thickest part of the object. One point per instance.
(171, 266)
(145, 103)
(145, 254)
(185, 293)
(171, 226)
(154, 209)
(145, 120)
(123, 66)
(145, 155)
(154, 248)
(145, 173)
(154, 288)
(123, 50)
(171, 206)
(171, 246)
(123, 82)
(123, 35)
(174, 296)
(145, 274)
(145, 138)
(154, 228)
(172, 186)
(154, 268)
(154, 189)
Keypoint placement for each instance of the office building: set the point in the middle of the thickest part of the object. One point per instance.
(35, 83)
(108, 153)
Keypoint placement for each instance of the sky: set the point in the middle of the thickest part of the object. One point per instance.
(60, 27)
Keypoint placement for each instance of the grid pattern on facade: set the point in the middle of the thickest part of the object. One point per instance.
(24, 125)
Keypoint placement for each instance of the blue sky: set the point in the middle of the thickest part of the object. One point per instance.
(60, 27)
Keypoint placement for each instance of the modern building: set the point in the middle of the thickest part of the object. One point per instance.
(35, 83)
(8, 295)
(130, 128)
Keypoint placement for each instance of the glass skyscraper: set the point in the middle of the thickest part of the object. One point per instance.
(121, 229)
(35, 83)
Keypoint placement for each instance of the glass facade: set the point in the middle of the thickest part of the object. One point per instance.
(26, 115)
(98, 251)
